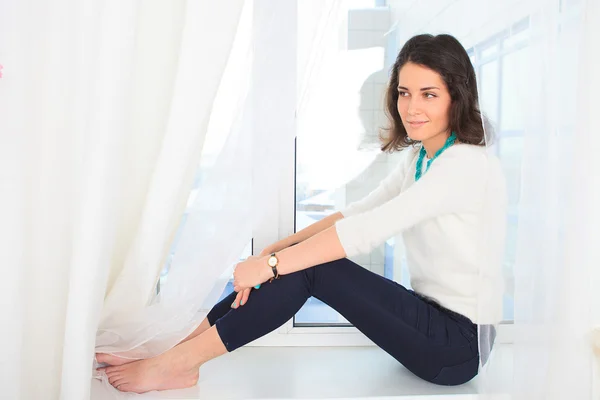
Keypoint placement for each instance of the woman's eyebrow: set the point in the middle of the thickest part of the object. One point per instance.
(422, 89)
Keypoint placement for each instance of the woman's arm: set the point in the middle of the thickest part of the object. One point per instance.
(323, 247)
(455, 183)
(387, 189)
(318, 249)
(304, 234)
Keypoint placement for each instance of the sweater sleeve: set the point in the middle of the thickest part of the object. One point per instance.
(389, 188)
(455, 183)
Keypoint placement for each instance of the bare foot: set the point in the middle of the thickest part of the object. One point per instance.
(170, 370)
(109, 359)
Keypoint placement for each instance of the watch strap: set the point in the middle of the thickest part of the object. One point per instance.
(274, 268)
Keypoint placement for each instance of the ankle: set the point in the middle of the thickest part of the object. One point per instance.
(188, 356)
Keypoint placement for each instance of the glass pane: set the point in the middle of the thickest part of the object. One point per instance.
(511, 148)
(489, 50)
(361, 3)
(514, 90)
(517, 38)
(488, 93)
(568, 5)
(341, 113)
(513, 103)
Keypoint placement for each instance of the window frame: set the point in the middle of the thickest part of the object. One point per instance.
(281, 224)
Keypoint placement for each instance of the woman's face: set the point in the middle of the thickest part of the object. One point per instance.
(423, 103)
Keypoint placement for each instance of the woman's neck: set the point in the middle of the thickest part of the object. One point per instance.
(433, 144)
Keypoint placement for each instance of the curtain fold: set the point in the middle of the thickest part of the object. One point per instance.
(111, 113)
(104, 106)
(556, 271)
(537, 64)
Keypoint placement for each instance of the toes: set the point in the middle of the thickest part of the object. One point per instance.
(114, 376)
(114, 379)
(109, 359)
(118, 382)
(126, 387)
(122, 387)
(110, 370)
(103, 358)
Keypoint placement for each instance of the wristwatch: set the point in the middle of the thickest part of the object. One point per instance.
(273, 262)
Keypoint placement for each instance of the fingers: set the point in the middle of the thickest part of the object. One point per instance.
(245, 295)
(236, 283)
(238, 298)
(237, 287)
(241, 298)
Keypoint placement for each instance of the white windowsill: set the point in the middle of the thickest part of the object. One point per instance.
(318, 373)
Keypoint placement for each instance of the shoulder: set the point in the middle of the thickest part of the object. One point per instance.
(475, 163)
(467, 150)
(469, 156)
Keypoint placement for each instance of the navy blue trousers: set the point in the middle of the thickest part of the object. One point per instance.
(434, 343)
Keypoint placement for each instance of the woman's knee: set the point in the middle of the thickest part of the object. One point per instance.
(329, 273)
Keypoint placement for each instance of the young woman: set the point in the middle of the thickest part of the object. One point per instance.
(446, 197)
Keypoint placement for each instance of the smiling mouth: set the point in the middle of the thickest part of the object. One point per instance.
(416, 123)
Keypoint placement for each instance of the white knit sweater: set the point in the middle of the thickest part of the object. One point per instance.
(453, 222)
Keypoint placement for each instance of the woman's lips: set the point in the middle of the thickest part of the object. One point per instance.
(417, 124)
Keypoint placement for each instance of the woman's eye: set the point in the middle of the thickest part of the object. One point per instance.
(429, 95)
(402, 93)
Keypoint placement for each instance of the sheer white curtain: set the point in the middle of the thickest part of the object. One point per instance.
(217, 224)
(229, 204)
(104, 110)
(555, 278)
(127, 325)
(556, 274)
(102, 120)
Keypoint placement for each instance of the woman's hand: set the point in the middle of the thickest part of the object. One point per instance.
(251, 272)
(241, 298)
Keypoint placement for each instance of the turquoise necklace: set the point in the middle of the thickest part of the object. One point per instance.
(449, 142)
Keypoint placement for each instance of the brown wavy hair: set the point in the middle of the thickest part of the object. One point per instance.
(446, 56)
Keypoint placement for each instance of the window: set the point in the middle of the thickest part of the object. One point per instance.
(338, 156)
(360, 4)
(499, 64)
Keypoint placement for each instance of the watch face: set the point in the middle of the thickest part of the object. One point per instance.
(272, 261)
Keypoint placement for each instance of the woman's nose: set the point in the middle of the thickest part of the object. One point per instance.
(413, 107)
